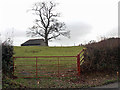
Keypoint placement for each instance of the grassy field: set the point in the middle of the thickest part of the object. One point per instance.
(45, 66)
(46, 51)
(86, 79)
(48, 66)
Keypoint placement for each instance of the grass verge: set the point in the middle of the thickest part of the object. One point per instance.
(86, 80)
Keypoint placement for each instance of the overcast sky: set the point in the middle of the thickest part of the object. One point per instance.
(86, 19)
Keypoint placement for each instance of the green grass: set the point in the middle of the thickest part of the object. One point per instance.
(46, 51)
(51, 70)
(0, 86)
(46, 82)
(46, 65)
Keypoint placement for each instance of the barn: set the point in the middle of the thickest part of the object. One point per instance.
(34, 42)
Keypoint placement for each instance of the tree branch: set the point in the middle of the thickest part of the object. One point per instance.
(54, 36)
(47, 25)
(42, 21)
(40, 26)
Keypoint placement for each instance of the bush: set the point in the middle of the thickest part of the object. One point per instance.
(7, 60)
(102, 55)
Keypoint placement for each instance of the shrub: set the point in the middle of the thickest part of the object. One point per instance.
(7, 60)
(102, 55)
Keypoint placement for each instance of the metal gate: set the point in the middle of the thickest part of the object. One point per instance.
(48, 66)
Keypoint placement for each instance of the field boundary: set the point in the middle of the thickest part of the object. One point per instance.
(37, 66)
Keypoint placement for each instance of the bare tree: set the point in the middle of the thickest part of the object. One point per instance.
(47, 24)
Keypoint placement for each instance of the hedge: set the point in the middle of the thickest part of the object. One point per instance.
(102, 55)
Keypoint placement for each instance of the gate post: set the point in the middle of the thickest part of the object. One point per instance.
(78, 64)
(36, 68)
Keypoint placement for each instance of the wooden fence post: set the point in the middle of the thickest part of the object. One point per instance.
(78, 64)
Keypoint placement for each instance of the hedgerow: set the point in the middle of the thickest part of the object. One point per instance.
(102, 55)
(7, 60)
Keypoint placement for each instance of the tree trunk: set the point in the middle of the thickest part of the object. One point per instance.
(46, 41)
(46, 37)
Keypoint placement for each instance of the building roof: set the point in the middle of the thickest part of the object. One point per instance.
(34, 41)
